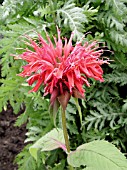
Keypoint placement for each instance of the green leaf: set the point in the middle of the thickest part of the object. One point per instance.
(98, 155)
(124, 107)
(25, 161)
(21, 119)
(79, 110)
(73, 17)
(52, 140)
(53, 109)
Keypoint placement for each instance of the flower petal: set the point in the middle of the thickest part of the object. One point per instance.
(38, 84)
(70, 78)
(68, 47)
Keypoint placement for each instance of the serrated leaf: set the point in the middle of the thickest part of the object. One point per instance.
(74, 17)
(52, 140)
(21, 119)
(35, 129)
(30, 139)
(98, 155)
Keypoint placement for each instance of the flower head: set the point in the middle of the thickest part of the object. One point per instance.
(62, 68)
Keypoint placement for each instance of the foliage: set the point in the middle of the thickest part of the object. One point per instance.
(74, 17)
(104, 110)
(98, 155)
(94, 155)
(25, 160)
(52, 140)
(112, 20)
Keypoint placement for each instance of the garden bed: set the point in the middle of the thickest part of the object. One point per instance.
(11, 139)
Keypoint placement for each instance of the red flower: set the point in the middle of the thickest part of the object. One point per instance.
(62, 68)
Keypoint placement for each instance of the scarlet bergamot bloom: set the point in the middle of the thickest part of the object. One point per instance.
(62, 68)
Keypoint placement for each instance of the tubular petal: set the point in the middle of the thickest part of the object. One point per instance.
(62, 68)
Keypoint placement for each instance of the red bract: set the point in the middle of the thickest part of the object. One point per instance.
(63, 69)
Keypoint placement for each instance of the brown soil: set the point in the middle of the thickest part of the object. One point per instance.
(11, 139)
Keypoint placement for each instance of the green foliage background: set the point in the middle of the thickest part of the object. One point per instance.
(104, 111)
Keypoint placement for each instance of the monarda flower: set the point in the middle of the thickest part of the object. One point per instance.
(62, 68)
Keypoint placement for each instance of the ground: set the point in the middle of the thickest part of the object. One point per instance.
(11, 139)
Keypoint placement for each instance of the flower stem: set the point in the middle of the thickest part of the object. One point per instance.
(65, 133)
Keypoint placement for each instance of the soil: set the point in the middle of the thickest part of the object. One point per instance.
(11, 139)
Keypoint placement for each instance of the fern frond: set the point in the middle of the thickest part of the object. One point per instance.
(21, 119)
(90, 12)
(113, 18)
(12, 11)
(119, 73)
(99, 119)
(104, 108)
(119, 37)
(9, 91)
(73, 17)
(12, 34)
(117, 78)
(120, 62)
(25, 160)
(118, 7)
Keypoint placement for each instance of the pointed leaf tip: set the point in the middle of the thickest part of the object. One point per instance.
(33, 152)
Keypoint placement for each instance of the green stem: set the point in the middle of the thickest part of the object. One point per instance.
(65, 133)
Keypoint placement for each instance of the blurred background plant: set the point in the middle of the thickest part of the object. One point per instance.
(104, 111)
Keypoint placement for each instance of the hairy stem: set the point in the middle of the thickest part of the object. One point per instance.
(65, 133)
